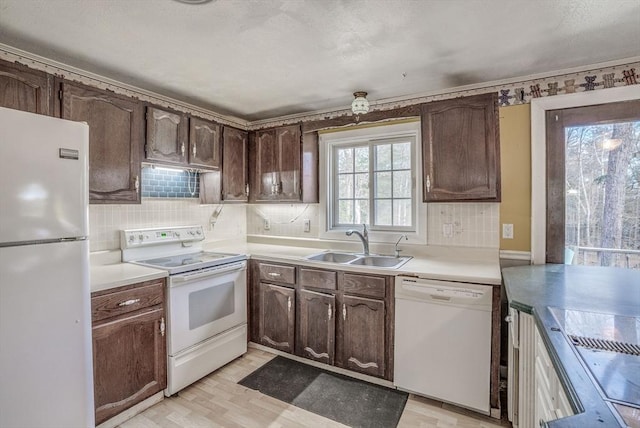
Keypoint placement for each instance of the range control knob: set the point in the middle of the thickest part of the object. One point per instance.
(199, 232)
(132, 238)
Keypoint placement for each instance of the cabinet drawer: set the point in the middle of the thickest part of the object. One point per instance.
(277, 273)
(317, 278)
(116, 303)
(372, 286)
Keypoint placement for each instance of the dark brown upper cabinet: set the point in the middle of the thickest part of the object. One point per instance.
(166, 136)
(235, 182)
(175, 138)
(22, 88)
(116, 133)
(275, 165)
(204, 144)
(461, 149)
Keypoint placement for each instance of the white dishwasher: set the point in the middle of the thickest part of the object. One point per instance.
(443, 340)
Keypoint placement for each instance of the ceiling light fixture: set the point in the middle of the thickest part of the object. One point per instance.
(360, 105)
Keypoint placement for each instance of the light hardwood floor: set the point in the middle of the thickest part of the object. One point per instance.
(218, 401)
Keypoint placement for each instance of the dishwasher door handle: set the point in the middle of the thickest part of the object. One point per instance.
(441, 293)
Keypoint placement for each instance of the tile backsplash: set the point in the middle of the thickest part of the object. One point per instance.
(106, 221)
(455, 224)
(167, 183)
(464, 224)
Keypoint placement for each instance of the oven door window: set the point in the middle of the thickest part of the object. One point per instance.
(210, 304)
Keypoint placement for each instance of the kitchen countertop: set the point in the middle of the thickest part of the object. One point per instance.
(479, 266)
(107, 271)
(533, 289)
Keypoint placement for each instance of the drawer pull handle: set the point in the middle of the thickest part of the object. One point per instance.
(274, 274)
(129, 302)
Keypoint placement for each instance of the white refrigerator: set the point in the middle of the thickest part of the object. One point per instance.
(46, 371)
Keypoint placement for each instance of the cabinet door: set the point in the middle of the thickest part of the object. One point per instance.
(288, 142)
(275, 165)
(115, 137)
(204, 143)
(361, 335)
(263, 166)
(22, 88)
(234, 167)
(129, 361)
(317, 326)
(166, 136)
(277, 317)
(460, 149)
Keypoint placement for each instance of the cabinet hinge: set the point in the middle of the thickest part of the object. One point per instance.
(60, 94)
(162, 327)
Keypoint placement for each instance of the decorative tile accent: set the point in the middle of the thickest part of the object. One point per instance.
(588, 81)
(165, 183)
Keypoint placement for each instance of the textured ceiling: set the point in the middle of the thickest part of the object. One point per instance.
(267, 58)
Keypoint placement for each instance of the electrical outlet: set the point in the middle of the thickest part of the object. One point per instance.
(507, 231)
(267, 224)
(447, 230)
(307, 225)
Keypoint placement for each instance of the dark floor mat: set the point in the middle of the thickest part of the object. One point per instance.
(343, 399)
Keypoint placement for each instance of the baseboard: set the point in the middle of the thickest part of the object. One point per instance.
(132, 411)
(515, 255)
(327, 367)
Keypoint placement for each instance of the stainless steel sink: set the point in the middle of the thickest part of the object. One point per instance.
(360, 260)
(332, 257)
(381, 261)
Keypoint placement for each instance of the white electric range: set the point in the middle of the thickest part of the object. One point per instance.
(206, 299)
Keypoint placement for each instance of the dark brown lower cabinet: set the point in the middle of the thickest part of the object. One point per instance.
(277, 317)
(361, 335)
(317, 326)
(331, 316)
(129, 347)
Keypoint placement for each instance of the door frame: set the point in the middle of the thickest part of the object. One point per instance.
(539, 107)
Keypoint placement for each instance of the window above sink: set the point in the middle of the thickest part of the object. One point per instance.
(369, 176)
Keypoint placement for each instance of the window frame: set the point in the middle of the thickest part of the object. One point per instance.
(539, 107)
(370, 136)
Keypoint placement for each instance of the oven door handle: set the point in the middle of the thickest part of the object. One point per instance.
(216, 271)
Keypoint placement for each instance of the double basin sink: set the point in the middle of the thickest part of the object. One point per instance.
(359, 259)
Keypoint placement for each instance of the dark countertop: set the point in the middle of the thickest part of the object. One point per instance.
(532, 289)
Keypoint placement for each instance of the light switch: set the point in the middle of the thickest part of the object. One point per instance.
(307, 225)
(267, 224)
(507, 231)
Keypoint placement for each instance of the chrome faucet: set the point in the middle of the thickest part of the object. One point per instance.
(364, 237)
(396, 251)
